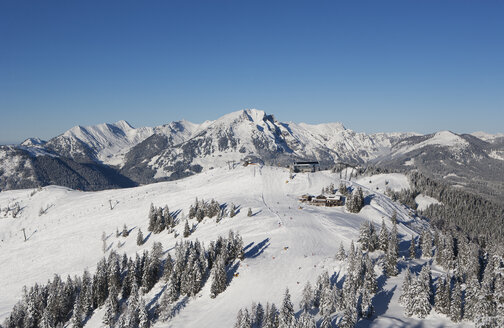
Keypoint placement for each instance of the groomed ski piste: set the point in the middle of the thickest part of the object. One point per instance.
(287, 243)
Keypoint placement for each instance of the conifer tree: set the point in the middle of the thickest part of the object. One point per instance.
(239, 319)
(125, 232)
(405, 289)
(249, 213)
(456, 302)
(140, 238)
(187, 230)
(412, 248)
(286, 317)
(393, 218)
(471, 298)
(341, 256)
(219, 279)
(383, 237)
(426, 244)
(442, 296)
(307, 298)
(391, 259)
(232, 210)
(77, 315)
(143, 316)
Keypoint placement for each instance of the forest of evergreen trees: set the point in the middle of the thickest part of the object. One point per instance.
(119, 282)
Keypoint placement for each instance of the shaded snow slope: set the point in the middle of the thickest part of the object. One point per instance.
(67, 239)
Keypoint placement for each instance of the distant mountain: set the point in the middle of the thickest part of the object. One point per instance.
(119, 155)
(462, 160)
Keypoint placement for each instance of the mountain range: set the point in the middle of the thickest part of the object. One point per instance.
(118, 155)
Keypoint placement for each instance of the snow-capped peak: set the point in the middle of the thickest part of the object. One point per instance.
(447, 139)
(33, 142)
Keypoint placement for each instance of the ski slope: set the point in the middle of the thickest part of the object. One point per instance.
(286, 244)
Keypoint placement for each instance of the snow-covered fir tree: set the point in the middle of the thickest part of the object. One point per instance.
(456, 302)
(286, 316)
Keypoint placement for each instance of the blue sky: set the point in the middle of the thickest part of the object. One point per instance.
(373, 65)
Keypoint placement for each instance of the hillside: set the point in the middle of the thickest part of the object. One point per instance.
(285, 245)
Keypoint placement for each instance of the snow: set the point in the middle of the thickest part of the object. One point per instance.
(382, 182)
(67, 239)
(487, 136)
(441, 139)
(497, 154)
(424, 201)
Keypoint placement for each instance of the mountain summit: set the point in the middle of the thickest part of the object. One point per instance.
(119, 155)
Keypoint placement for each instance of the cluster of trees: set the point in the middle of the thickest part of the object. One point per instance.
(325, 298)
(119, 282)
(386, 241)
(477, 216)
(116, 278)
(472, 288)
(329, 189)
(160, 219)
(193, 266)
(405, 197)
(201, 209)
(355, 202)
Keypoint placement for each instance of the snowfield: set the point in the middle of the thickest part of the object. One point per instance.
(286, 243)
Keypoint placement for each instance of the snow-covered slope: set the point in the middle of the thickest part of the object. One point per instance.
(67, 239)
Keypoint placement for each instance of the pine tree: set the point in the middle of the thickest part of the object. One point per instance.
(442, 296)
(259, 315)
(405, 289)
(239, 319)
(366, 307)
(327, 300)
(77, 315)
(143, 316)
(286, 317)
(394, 218)
(307, 298)
(125, 232)
(232, 210)
(140, 238)
(383, 237)
(391, 259)
(426, 244)
(249, 213)
(471, 298)
(419, 295)
(187, 230)
(341, 256)
(219, 281)
(365, 236)
(111, 308)
(370, 280)
(456, 302)
(412, 248)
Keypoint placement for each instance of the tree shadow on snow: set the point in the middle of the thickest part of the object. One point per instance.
(254, 214)
(381, 303)
(146, 238)
(368, 199)
(257, 249)
(232, 271)
(248, 246)
(31, 234)
(156, 297)
(130, 230)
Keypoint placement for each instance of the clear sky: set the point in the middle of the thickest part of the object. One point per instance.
(373, 65)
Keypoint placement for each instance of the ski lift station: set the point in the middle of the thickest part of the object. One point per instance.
(305, 167)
